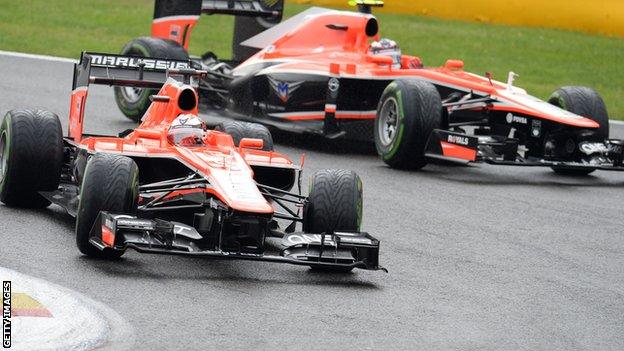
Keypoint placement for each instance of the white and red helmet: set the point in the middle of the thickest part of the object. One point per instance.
(186, 130)
(387, 47)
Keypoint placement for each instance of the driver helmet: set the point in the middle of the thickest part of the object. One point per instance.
(387, 47)
(186, 130)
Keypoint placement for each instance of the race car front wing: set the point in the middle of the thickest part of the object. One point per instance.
(337, 250)
(463, 148)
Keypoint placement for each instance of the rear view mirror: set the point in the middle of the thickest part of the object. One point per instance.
(249, 143)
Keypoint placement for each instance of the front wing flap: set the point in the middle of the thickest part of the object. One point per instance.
(341, 249)
(452, 146)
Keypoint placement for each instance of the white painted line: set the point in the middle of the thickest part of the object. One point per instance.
(64, 59)
(74, 322)
(37, 57)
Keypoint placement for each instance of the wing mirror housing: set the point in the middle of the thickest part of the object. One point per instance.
(250, 143)
(380, 60)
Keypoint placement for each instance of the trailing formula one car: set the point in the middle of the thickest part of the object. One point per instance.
(328, 72)
(172, 186)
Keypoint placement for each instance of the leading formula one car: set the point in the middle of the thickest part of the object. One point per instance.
(328, 72)
(171, 186)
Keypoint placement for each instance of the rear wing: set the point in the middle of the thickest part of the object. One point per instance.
(175, 19)
(118, 70)
(262, 8)
(249, 8)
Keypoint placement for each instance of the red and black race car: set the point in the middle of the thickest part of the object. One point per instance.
(172, 186)
(329, 72)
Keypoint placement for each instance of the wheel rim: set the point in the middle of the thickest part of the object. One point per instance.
(388, 122)
(4, 150)
(131, 94)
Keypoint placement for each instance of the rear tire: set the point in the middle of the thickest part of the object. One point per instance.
(110, 183)
(584, 102)
(334, 204)
(31, 157)
(133, 102)
(409, 110)
(239, 130)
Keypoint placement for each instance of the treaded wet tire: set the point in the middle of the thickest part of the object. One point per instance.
(133, 102)
(239, 130)
(584, 102)
(334, 204)
(110, 184)
(409, 110)
(31, 157)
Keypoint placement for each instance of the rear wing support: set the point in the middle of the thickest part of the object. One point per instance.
(175, 19)
(262, 8)
(118, 70)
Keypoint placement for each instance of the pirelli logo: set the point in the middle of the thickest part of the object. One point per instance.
(133, 62)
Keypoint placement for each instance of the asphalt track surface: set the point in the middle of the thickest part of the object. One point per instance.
(480, 257)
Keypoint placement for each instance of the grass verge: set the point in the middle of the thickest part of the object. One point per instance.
(544, 58)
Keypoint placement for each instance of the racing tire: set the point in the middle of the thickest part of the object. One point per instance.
(408, 112)
(584, 102)
(239, 130)
(110, 183)
(133, 102)
(31, 157)
(335, 203)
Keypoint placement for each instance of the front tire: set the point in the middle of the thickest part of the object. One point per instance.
(334, 204)
(31, 157)
(584, 102)
(132, 101)
(110, 183)
(409, 110)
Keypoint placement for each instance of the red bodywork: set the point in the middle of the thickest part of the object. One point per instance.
(176, 28)
(225, 166)
(336, 44)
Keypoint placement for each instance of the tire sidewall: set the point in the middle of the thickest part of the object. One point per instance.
(5, 128)
(419, 112)
(392, 91)
(134, 110)
(359, 202)
(146, 47)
